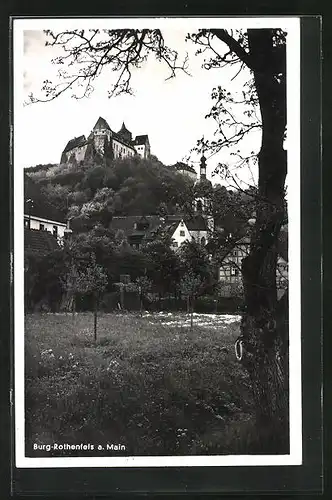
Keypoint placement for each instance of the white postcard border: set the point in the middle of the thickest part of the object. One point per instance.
(292, 25)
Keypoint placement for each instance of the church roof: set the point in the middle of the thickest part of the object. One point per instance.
(202, 185)
(141, 139)
(101, 123)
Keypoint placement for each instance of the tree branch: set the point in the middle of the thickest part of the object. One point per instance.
(234, 46)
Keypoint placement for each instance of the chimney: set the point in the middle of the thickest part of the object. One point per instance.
(67, 231)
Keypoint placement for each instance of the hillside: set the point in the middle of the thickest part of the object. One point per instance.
(91, 191)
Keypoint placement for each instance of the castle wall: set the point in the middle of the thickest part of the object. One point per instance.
(121, 150)
(143, 150)
(78, 152)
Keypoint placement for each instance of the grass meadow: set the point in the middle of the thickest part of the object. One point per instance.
(149, 383)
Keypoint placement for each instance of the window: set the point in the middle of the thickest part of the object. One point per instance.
(27, 223)
(41, 227)
(55, 231)
(175, 244)
(182, 233)
(142, 226)
(234, 271)
(203, 241)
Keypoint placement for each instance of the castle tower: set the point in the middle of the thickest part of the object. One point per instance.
(125, 134)
(101, 135)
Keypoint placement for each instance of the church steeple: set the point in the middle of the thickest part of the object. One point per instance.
(202, 168)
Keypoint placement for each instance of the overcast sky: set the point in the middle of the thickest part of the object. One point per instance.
(171, 112)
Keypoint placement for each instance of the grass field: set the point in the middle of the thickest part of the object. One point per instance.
(149, 383)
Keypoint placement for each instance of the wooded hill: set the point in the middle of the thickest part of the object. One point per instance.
(92, 192)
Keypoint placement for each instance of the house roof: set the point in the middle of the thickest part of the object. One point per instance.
(73, 143)
(183, 166)
(35, 203)
(141, 139)
(154, 222)
(101, 123)
(39, 242)
(127, 223)
(196, 223)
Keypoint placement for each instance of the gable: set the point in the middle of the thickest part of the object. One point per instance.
(101, 124)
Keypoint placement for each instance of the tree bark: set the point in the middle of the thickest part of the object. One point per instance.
(264, 330)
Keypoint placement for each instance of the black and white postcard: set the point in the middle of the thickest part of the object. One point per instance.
(157, 243)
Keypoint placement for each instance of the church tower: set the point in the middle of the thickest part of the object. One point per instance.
(203, 191)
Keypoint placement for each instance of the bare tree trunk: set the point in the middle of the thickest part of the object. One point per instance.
(141, 304)
(122, 296)
(95, 317)
(73, 305)
(264, 326)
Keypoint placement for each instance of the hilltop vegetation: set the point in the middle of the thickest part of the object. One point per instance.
(97, 190)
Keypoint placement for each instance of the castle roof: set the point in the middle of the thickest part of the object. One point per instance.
(124, 130)
(101, 123)
(74, 143)
(141, 139)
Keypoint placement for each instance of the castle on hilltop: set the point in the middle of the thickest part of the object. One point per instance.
(106, 143)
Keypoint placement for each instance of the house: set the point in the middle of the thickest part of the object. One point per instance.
(137, 229)
(104, 141)
(39, 215)
(181, 228)
(230, 271)
(186, 170)
(189, 229)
